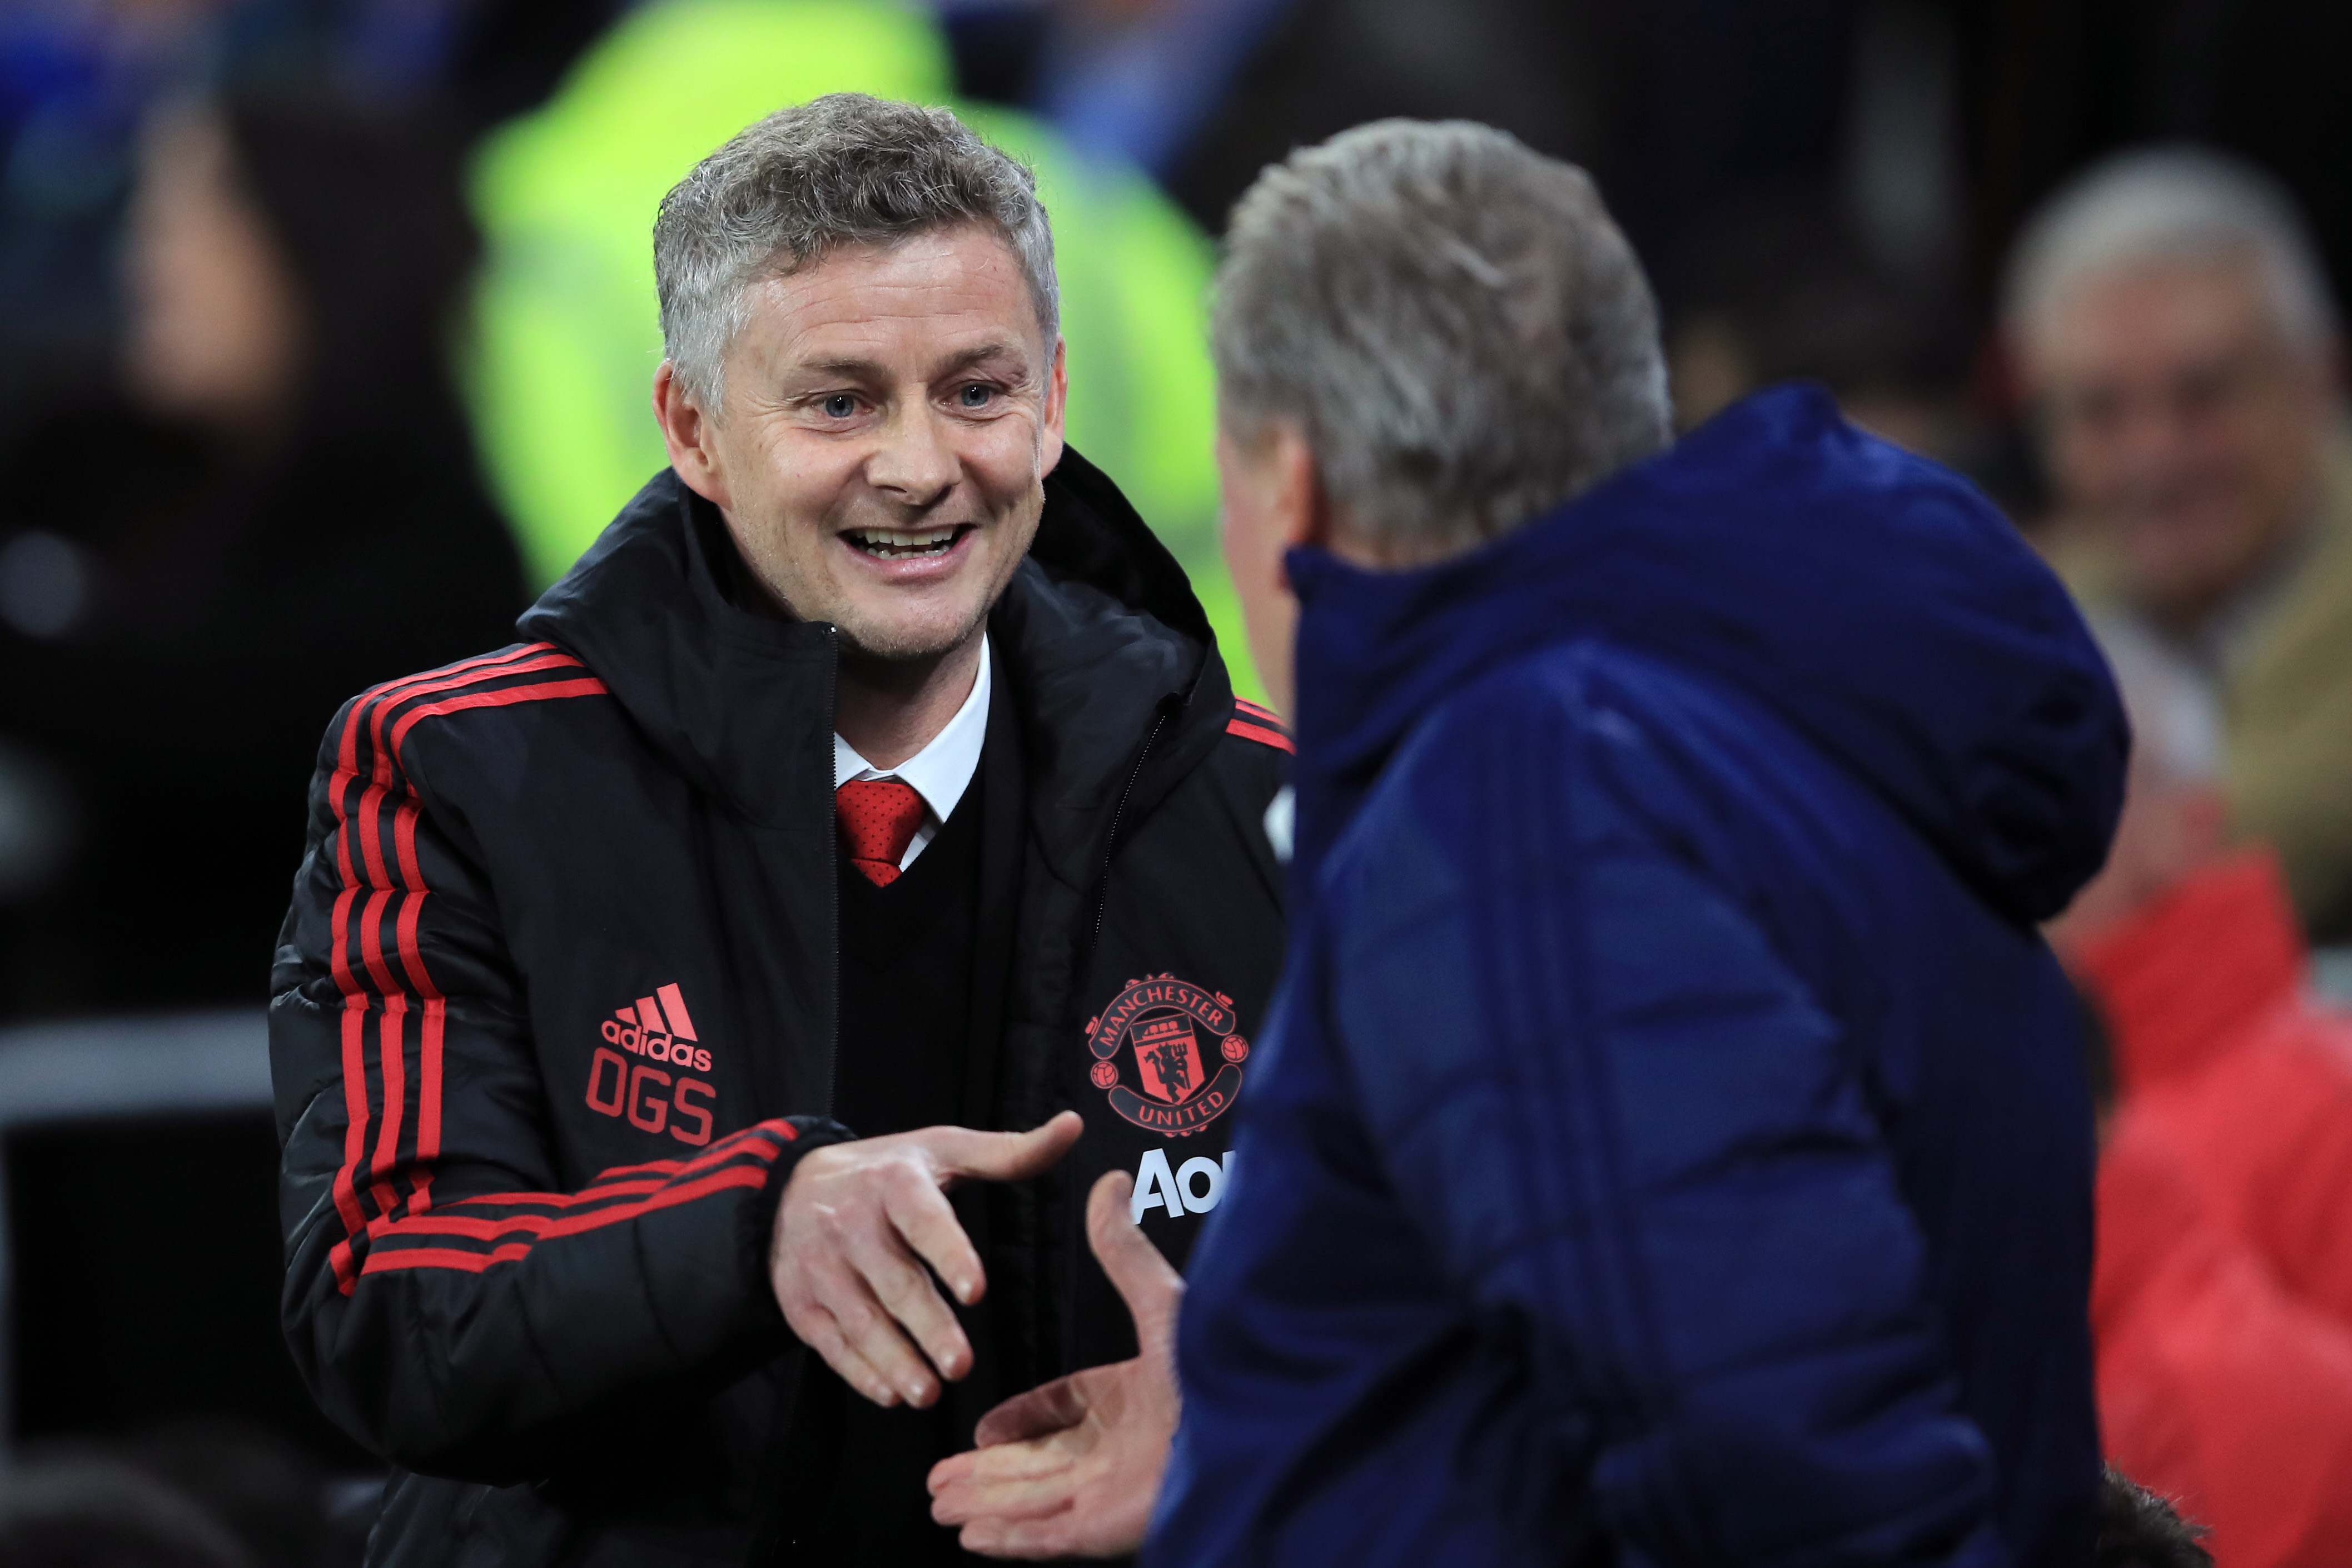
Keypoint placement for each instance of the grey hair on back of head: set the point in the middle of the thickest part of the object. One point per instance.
(843, 170)
(2171, 205)
(1452, 321)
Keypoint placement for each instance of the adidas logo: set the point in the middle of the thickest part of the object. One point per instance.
(659, 1028)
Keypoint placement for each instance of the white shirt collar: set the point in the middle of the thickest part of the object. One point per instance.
(942, 770)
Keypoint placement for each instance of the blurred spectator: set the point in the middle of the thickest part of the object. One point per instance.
(77, 80)
(287, 510)
(569, 339)
(1138, 80)
(2053, 85)
(2174, 815)
(2217, 1048)
(2223, 1301)
(74, 83)
(2218, 1386)
(2180, 341)
(2214, 1043)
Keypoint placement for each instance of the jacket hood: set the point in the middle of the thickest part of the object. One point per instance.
(1873, 599)
(1099, 633)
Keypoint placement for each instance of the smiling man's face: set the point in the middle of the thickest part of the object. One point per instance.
(889, 421)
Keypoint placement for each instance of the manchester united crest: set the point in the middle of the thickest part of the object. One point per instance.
(1177, 1034)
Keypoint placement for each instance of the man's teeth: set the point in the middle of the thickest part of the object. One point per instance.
(928, 541)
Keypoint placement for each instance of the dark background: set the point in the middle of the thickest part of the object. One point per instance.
(1820, 188)
(151, 1252)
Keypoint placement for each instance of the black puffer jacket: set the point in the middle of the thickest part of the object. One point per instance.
(556, 1013)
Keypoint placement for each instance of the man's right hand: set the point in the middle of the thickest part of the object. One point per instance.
(858, 1223)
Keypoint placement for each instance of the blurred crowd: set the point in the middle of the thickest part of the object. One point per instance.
(326, 328)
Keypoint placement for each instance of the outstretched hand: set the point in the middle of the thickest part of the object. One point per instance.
(858, 1222)
(1072, 1469)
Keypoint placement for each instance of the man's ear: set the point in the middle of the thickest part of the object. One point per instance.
(1057, 398)
(686, 432)
(1300, 499)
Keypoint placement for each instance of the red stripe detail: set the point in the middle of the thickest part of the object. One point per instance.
(718, 1151)
(372, 942)
(563, 1200)
(1257, 710)
(415, 1223)
(356, 1106)
(659, 1167)
(395, 1101)
(601, 1193)
(548, 660)
(586, 686)
(741, 1161)
(348, 756)
(394, 1005)
(481, 666)
(444, 1257)
(428, 1075)
(649, 1015)
(745, 1142)
(540, 1227)
(1273, 737)
(673, 1001)
(412, 960)
(356, 1004)
(412, 872)
(428, 1112)
(371, 832)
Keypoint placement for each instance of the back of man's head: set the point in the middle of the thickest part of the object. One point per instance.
(1453, 323)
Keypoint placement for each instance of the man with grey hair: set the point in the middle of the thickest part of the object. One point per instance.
(1671, 1145)
(2177, 335)
(685, 1013)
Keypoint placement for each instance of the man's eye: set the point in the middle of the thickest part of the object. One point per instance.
(975, 395)
(840, 406)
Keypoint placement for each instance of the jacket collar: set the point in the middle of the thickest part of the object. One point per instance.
(1101, 639)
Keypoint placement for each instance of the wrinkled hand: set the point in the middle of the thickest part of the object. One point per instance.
(856, 1225)
(1072, 1468)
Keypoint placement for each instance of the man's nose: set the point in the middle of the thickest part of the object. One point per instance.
(915, 462)
(2152, 439)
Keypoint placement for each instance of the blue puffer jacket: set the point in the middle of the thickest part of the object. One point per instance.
(1670, 1144)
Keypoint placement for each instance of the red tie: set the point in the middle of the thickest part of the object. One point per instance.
(878, 818)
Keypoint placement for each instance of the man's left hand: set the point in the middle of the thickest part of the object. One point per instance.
(1071, 1469)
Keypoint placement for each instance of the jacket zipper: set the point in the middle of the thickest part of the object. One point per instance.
(1110, 846)
(833, 885)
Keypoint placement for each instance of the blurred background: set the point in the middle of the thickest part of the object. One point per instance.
(326, 328)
